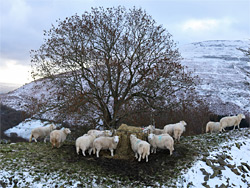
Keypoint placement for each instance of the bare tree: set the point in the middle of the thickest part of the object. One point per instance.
(108, 60)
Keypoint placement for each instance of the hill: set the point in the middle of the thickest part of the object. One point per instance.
(209, 160)
(223, 70)
(224, 74)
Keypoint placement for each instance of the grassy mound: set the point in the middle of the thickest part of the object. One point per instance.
(27, 164)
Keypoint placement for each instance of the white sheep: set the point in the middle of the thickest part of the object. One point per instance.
(158, 131)
(176, 129)
(140, 147)
(149, 128)
(57, 137)
(212, 127)
(152, 129)
(84, 143)
(105, 143)
(231, 121)
(163, 141)
(169, 129)
(99, 133)
(41, 132)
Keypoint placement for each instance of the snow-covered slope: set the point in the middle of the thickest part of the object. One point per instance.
(224, 73)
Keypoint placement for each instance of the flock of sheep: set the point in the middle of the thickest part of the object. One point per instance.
(96, 140)
(228, 121)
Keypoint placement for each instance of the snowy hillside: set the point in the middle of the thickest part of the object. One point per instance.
(224, 73)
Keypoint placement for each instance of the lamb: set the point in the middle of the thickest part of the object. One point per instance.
(57, 137)
(175, 130)
(140, 147)
(41, 132)
(163, 141)
(212, 127)
(85, 142)
(99, 133)
(105, 143)
(231, 121)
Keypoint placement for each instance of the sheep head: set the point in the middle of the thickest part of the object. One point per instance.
(183, 123)
(116, 139)
(150, 136)
(242, 116)
(66, 131)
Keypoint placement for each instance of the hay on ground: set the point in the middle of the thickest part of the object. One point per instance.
(123, 150)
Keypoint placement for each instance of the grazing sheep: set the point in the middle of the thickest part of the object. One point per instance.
(41, 132)
(231, 121)
(212, 127)
(99, 133)
(85, 142)
(149, 128)
(163, 141)
(57, 137)
(140, 147)
(105, 143)
(176, 129)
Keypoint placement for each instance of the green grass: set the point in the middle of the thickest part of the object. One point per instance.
(64, 165)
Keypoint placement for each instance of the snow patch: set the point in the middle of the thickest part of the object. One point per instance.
(24, 128)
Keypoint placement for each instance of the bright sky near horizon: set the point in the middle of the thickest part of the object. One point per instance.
(22, 23)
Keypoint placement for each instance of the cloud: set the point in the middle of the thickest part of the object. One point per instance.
(13, 71)
(205, 25)
(203, 29)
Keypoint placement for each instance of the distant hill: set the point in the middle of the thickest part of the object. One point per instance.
(6, 87)
(223, 70)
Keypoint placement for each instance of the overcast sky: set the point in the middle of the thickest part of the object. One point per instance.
(23, 22)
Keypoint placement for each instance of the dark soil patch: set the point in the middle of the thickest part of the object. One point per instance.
(8, 119)
(160, 165)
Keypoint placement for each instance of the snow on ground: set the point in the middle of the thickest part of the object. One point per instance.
(24, 128)
(224, 73)
(231, 174)
(206, 171)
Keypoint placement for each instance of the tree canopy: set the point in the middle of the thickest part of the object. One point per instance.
(107, 61)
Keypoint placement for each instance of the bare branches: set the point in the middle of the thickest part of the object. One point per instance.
(113, 58)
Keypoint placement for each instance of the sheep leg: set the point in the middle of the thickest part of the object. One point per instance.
(35, 139)
(171, 151)
(139, 158)
(136, 156)
(146, 158)
(83, 152)
(45, 139)
(58, 144)
(97, 153)
(77, 150)
(112, 152)
(90, 151)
